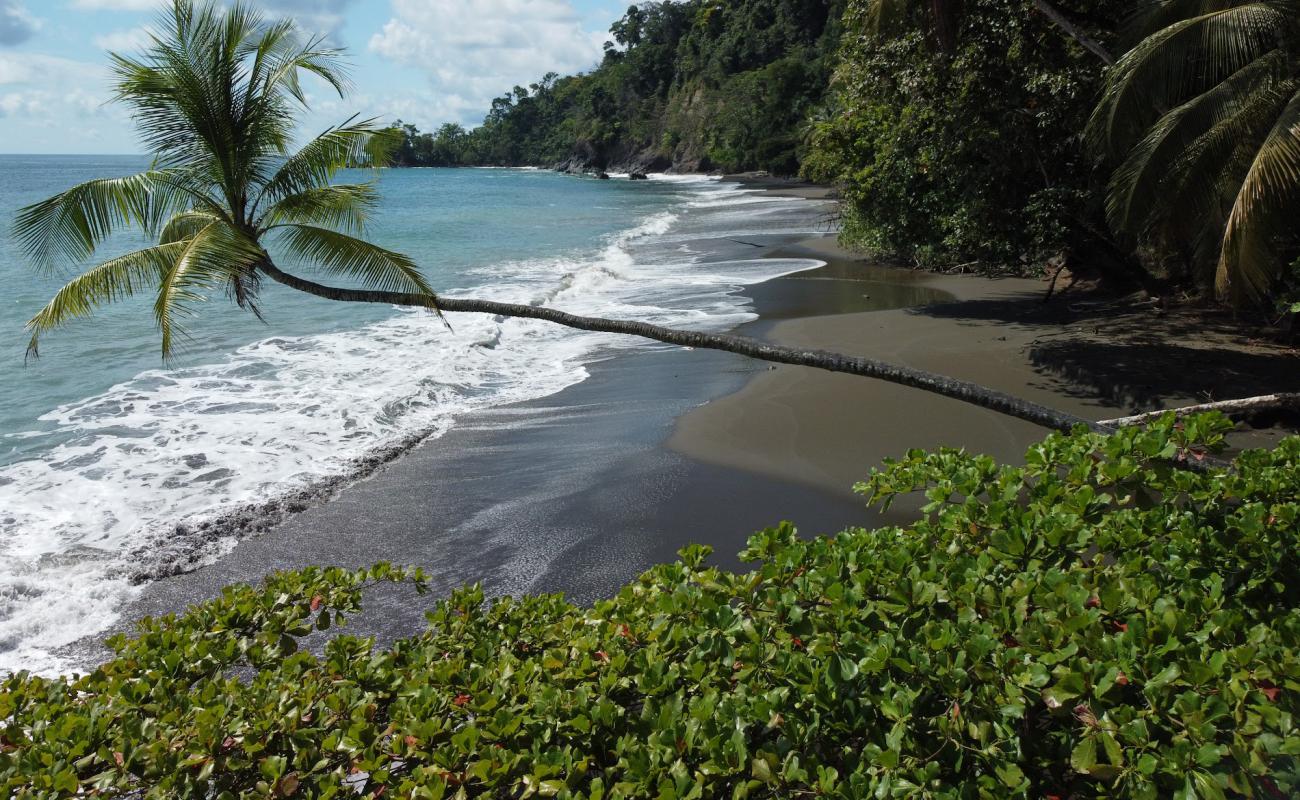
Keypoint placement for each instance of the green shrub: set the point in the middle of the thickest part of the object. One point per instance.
(1095, 623)
(971, 156)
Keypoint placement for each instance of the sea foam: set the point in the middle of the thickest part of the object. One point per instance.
(147, 467)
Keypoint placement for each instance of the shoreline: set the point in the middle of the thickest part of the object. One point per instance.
(791, 423)
(185, 546)
(289, 531)
(580, 491)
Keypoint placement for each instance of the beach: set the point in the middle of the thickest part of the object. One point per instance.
(580, 491)
(824, 429)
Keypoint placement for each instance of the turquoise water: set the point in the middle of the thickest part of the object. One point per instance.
(109, 459)
(450, 221)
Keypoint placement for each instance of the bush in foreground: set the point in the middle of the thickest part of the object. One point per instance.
(1096, 623)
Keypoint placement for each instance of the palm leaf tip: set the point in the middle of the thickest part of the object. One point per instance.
(116, 279)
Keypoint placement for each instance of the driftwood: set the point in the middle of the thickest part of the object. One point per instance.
(1252, 405)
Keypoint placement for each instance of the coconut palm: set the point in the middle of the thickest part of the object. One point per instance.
(1203, 115)
(214, 96)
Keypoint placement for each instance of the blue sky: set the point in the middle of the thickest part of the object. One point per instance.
(424, 61)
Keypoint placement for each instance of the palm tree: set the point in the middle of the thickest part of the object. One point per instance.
(214, 96)
(1203, 115)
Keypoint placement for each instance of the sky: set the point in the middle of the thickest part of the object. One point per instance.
(422, 61)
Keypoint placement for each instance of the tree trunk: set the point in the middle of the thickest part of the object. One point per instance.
(1248, 405)
(964, 391)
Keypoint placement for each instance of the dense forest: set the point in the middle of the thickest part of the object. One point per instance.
(1156, 144)
(699, 85)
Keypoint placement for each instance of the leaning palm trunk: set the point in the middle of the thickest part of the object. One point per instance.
(965, 391)
(214, 96)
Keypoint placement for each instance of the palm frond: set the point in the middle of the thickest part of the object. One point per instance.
(339, 254)
(214, 96)
(186, 225)
(1137, 187)
(354, 144)
(217, 256)
(340, 206)
(1197, 193)
(1151, 16)
(1177, 63)
(313, 57)
(71, 224)
(1265, 209)
(113, 280)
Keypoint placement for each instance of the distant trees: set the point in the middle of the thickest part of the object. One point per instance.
(449, 146)
(724, 83)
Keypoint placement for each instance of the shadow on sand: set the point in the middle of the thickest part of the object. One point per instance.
(1134, 356)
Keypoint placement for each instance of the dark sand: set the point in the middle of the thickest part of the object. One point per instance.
(581, 491)
(572, 493)
(1077, 355)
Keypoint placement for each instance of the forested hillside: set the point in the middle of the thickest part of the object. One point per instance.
(700, 85)
(1157, 144)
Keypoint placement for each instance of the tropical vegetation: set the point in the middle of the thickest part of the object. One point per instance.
(1117, 617)
(1094, 623)
(215, 97)
(1203, 114)
(704, 84)
(956, 137)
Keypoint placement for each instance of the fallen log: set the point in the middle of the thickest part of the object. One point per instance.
(1267, 402)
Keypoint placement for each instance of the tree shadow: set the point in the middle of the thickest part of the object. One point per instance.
(1133, 356)
(1145, 376)
(1092, 314)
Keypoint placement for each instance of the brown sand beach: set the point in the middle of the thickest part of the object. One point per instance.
(1095, 357)
(581, 491)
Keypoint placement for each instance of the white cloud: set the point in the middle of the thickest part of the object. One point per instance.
(51, 104)
(17, 24)
(117, 5)
(315, 15)
(475, 50)
(43, 87)
(325, 16)
(43, 69)
(124, 41)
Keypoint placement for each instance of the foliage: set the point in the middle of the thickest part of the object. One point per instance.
(958, 141)
(1204, 115)
(213, 96)
(448, 147)
(1095, 623)
(712, 83)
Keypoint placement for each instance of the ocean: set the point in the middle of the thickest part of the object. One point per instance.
(107, 455)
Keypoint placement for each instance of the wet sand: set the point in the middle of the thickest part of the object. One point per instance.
(581, 491)
(573, 493)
